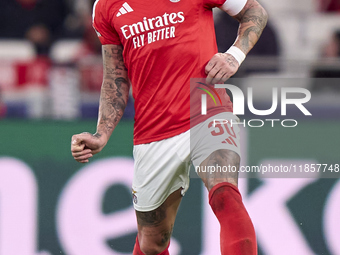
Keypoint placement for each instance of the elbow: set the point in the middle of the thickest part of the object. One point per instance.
(265, 16)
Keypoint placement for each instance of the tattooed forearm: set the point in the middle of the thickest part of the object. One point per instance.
(112, 105)
(113, 71)
(253, 19)
(114, 91)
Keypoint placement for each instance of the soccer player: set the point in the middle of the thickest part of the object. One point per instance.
(158, 46)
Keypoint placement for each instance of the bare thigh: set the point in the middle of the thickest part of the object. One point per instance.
(220, 158)
(155, 227)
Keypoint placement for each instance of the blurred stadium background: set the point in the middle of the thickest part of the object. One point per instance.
(50, 78)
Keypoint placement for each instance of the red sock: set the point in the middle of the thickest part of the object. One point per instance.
(137, 250)
(237, 235)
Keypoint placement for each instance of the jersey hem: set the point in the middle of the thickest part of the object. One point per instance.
(161, 137)
(194, 121)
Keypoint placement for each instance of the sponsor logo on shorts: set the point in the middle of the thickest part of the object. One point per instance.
(230, 141)
(134, 197)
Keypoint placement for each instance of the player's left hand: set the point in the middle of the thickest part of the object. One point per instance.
(220, 68)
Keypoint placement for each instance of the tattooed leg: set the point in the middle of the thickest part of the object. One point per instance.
(155, 227)
(237, 234)
(220, 158)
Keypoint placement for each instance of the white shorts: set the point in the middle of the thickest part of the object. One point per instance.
(162, 167)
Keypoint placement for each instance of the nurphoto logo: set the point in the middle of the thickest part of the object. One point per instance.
(239, 104)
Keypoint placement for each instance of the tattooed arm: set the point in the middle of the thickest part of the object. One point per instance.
(253, 19)
(114, 91)
(113, 99)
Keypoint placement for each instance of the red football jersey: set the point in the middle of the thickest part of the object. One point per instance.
(165, 44)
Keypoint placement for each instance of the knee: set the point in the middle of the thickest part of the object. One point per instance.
(153, 245)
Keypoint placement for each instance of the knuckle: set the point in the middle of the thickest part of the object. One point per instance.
(219, 76)
(217, 67)
(225, 78)
(226, 65)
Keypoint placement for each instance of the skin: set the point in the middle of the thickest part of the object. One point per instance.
(220, 158)
(155, 227)
(113, 100)
(253, 19)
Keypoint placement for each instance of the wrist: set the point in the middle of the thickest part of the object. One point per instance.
(237, 54)
(102, 136)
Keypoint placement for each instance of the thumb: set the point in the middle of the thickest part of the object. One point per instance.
(77, 145)
(76, 141)
(80, 139)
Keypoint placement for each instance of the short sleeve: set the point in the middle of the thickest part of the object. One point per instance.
(232, 7)
(100, 22)
(209, 4)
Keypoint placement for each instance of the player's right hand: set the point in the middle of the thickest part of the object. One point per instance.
(85, 145)
(220, 68)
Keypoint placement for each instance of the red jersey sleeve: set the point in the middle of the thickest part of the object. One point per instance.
(232, 7)
(100, 22)
(209, 4)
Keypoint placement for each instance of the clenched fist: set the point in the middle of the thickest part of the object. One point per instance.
(85, 145)
(220, 68)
